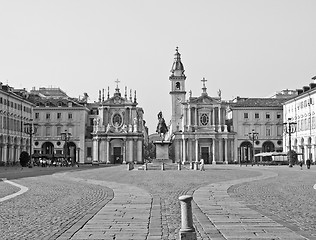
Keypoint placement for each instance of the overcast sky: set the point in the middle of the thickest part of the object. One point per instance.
(246, 48)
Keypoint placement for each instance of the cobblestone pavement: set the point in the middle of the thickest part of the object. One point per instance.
(289, 198)
(50, 207)
(70, 205)
(7, 189)
(165, 188)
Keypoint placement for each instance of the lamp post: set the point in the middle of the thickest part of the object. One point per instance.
(253, 136)
(30, 130)
(65, 136)
(289, 128)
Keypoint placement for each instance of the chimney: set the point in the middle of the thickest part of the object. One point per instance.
(312, 85)
(305, 88)
(299, 91)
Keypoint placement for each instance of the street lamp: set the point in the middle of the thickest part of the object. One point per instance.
(65, 136)
(30, 130)
(289, 128)
(253, 136)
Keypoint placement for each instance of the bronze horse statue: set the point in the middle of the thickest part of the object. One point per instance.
(162, 128)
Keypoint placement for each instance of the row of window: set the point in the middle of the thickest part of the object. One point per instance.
(59, 115)
(7, 123)
(14, 105)
(267, 115)
(49, 131)
(301, 105)
(269, 131)
(306, 124)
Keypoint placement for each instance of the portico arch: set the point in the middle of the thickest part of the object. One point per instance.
(245, 151)
(47, 149)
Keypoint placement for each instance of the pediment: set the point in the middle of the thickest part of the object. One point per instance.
(117, 100)
(207, 100)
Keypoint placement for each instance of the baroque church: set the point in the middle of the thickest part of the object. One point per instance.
(118, 129)
(198, 124)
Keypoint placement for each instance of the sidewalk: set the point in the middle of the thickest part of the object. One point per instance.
(134, 214)
(227, 218)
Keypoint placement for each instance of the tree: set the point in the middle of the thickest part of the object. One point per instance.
(24, 158)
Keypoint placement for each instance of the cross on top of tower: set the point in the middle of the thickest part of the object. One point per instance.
(204, 87)
(117, 82)
(204, 80)
(117, 90)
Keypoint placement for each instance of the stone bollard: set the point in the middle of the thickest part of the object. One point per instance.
(162, 166)
(187, 231)
(130, 166)
(191, 165)
(145, 166)
(196, 166)
(179, 166)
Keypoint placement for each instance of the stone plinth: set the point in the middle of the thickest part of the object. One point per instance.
(162, 150)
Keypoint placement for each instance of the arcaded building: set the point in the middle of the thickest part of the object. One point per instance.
(300, 112)
(56, 115)
(15, 117)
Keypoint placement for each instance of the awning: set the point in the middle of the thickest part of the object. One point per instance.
(270, 154)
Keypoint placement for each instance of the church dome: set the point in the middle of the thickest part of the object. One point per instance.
(177, 66)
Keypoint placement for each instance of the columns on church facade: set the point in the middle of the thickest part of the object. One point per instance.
(226, 150)
(214, 150)
(196, 149)
(95, 153)
(124, 151)
(189, 118)
(219, 127)
(177, 152)
(108, 151)
(183, 149)
(220, 150)
(130, 150)
(102, 150)
(139, 151)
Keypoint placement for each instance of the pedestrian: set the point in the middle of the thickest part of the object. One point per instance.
(301, 165)
(202, 165)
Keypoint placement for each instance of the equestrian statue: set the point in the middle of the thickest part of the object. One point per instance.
(162, 128)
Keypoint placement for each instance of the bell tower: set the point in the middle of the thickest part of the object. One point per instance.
(177, 80)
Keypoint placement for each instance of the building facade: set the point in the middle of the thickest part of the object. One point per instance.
(118, 129)
(198, 124)
(56, 115)
(300, 113)
(15, 117)
(258, 124)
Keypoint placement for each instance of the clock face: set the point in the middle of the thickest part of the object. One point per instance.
(179, 99)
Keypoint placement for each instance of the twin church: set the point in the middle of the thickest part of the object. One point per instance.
(198, 125)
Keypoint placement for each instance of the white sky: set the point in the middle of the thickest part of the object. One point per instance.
(246, 48)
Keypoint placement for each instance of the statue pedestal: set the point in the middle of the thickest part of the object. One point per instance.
(162, 150)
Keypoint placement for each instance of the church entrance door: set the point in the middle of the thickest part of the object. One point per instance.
(117, 155)
(205, 154)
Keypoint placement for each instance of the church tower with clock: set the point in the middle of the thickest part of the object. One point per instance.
(177, 79)
(198, 124)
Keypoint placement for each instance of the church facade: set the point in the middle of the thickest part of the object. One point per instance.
(118, 130)
(198, 124)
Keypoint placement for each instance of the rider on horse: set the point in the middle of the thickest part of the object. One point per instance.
(161, 127)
